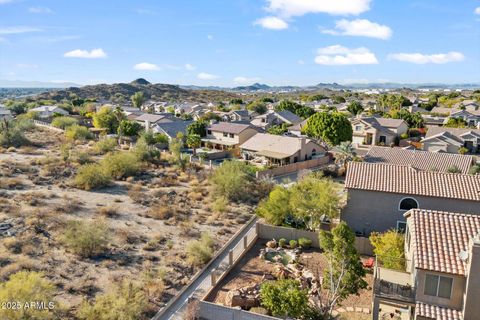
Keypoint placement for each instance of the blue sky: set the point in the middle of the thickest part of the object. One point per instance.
(238, 42)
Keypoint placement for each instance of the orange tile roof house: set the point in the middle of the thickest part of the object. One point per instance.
(441, 279)
(379, 194)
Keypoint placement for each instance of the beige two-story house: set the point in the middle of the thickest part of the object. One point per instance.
(440, 278)
(370, 131)
(227, 135)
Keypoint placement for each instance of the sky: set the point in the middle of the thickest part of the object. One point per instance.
(239, 42)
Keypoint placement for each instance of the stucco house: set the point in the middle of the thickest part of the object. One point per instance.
(379, 194)
(281, 150)
(227, 135)
(442, 139)
(5, 113)
(273, 118)
(472, 117)
(172, 129)
(239, 116)
(370, 131)
(49, 111)
(151, 119)
(422, 160)
(439, 278)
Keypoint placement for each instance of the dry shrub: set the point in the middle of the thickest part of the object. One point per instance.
(68, 205)
(196, 196)
(110, 211)
(152, 245)
(220, 205)
(13, 244)
(11, 183)
(21, 264)
(200, 251)
(128, 237)
(161, 212)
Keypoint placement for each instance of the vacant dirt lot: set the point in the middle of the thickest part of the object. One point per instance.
(150, 217)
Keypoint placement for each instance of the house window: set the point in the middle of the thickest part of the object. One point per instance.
(314, 152)
(401, 226)
(358, 128)
(225, 134)
(408, 203)
(382, 139)
(438, 286)
(209, 131)
(231, 135)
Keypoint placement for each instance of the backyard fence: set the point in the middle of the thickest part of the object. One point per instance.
(212, 311)
(294, 167)
(39, 123)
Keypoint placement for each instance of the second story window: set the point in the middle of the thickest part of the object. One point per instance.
(225, 134)
(209, 131)
(358, 128)
(231, 135)
(438, 286)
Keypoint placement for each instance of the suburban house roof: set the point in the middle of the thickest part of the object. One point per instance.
(438, 237)
(408, 180)
(275, 146)
(422, 160)
(171, 129)
(5, 111)
(436, 312)
(49, 109)
(298, 126)
(443, 110)
(457, 132)
(229, 127)
(390, 123)
(381, 124)
(288, 116)
(151, 117)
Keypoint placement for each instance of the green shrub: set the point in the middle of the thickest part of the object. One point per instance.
(126, 301)
(76, 132)
(82, 157)
(475, 169)
(26, 286)
(120, 165)
(389, 249)
(200, 251)
(462, 150)
(105, 145)
(63, 122)
(293, 244)
(282, 242)
(91, 176)
(220, 205)
(233, 180)
(404, 136)
(12, 134)
(304, 243)
(86, 239)
(284, 298)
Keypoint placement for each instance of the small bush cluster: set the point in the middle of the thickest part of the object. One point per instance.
(105, 145)
(76, 132)
(120, 165)
(63, 122)
(304, 243)
(91, 176)
(86, 239)
(200, 251)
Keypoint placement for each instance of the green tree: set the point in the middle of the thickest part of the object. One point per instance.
(278, 129)
(345, 154)
(355, 107)
(232, 180)
(129, 128)
(413, 120)
(284, 298)
(197, 127)
(300, 110)
(126, 301)
(106, 118)
(276, 208)
(63, 122)
(175, 147)
(25, 286)
(331, 127)
(236, 101)
(389, 249)
(194, 141)
(338, 99)
(137, 99)
(258, 106)
(344, 273)
(455, 123)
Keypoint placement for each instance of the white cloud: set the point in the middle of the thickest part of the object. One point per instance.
(209, 37)
(338, 55)
(39, 10)
(477, 10)
(206, 76)
(245, 80)
(272, 23)
(5, 1)
(290, 8)
(420, 58)
(189, 67)
(360, 27)
(18, 29)
(145, 66)
(93, 54)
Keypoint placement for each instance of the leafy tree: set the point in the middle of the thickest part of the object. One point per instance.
(25, 286)
(258, 106)
(106, 118)
(194, 141)
(236, 101)
(197, 127)
(298, 109)
(331, 127)
(355, 107)
(392, 101)
(129, 128)
(267, 100)
(456, 123)
(63, 122)
(137, 99)
(413, 120)
(175, 147)
(16, 107)
(389, 249)
(232, 180)
(12, 134)
(284, 298)
(344, 273)
(278, 129)
(345, 154)
(126, 301)
(120, 165)
(338, 99)
(276, 208)
(462, 150)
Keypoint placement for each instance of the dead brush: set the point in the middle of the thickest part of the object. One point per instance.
(161, 212)
(196, 196)
(109, 211)
(22, 264)
(68, 205)
(12, 183)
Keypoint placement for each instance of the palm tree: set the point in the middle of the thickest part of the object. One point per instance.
(345, 154)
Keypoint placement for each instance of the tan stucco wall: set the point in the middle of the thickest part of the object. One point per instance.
(458, 288)
(472, 291)
(237, 138)
(368, 211)
(436, 145)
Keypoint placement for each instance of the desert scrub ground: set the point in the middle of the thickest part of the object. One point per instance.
(133, 234)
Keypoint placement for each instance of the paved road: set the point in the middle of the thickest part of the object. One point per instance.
(175, 309)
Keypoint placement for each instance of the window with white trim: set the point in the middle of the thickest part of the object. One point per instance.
(407, 204)
(438, 286)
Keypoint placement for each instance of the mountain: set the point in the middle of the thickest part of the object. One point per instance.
(35, 84)
(253, 87)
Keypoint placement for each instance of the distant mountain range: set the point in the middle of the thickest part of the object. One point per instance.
(35, 84)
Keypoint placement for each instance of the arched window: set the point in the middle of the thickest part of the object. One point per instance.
(408, 203)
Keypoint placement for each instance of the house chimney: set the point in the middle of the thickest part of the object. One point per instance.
(471, 307)
(147, 125)
(303, 142)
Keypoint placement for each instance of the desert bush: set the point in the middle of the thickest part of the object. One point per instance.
(105, 145)
(282, 242)
(293, 244)
(120, 165)
(153, 281)
(233, 180)
(126, 301)
(21, 264)
(13, 244)
(220, 205)
(11, 183)
(110, 211)
(81, 157)
(86, 239)
(27, 286)
(259, 310)
(12, 134)
(284, 298)
(200, 251)
(76, 132)
(91, 176)
(160, 212)
(304, 243)
(63, 122)
(196, 196)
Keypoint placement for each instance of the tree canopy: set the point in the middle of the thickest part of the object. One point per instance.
(129, 128)
(389, 249)
(301, 111)
(332, 127)
(355, 107)
(137, 99)
(284, 298)
(106, 118)
(198, 127)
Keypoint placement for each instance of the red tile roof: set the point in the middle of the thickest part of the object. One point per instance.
(408, 180)
(438, 237)
(436, 312)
